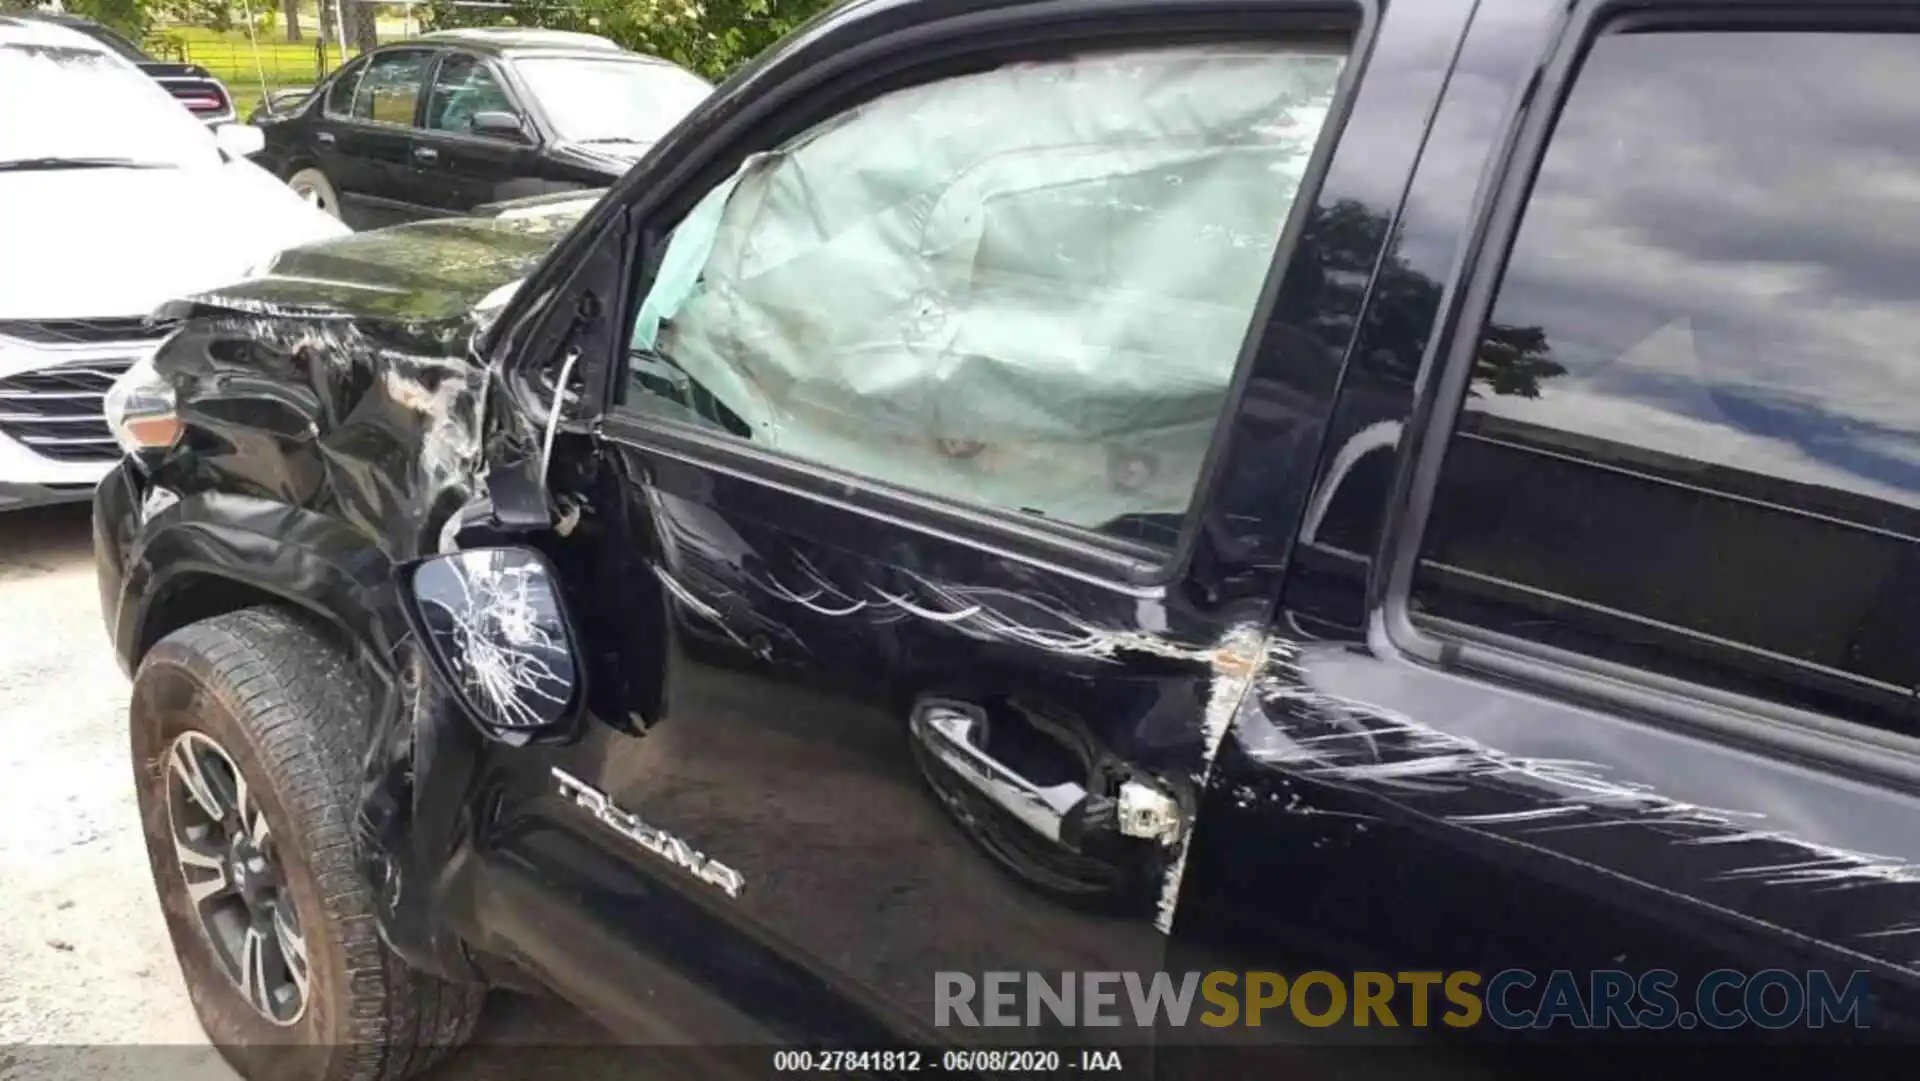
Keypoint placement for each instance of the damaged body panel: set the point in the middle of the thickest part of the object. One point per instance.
(1535, 830)
(333, 410)
(1429, 800)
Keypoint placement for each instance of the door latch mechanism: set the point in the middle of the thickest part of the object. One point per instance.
(1148, 813)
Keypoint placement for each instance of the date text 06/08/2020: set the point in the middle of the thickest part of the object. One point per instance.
(954, 1061)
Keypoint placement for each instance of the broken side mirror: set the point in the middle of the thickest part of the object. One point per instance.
(496, 631)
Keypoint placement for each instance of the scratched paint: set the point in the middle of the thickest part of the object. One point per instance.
(1001, 615)
(1401, 769)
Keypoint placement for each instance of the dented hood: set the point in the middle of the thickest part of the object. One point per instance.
(424, 272)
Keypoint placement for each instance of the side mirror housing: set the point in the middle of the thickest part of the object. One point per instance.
(496, 632)
(240, 140)
(499, 125)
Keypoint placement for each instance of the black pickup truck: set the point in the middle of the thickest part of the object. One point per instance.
(1387, 523)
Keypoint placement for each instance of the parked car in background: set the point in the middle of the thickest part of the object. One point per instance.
(439, 124)
(112, 200)
(190, 84)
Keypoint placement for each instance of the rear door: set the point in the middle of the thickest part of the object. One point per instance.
(1599, 699)
(454, 169)
(372, 148)
(936, 522)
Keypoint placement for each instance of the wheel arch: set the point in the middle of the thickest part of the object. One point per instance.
(221, 553)
(193, 594)
(297, 160)
(215, 553)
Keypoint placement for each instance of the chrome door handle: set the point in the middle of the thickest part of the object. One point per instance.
(426, 153)
(1140, 807)
(950, 731)
(324, 138)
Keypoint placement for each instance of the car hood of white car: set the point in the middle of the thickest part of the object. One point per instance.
(107, 242)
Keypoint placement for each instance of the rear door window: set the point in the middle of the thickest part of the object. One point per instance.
(1692, 438)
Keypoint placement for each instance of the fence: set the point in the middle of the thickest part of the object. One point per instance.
(249, 69)
(254, 67)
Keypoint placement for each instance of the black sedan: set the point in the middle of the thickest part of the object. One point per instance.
(440, 124)
(190, 84)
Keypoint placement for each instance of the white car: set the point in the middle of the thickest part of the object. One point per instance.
(113, 200)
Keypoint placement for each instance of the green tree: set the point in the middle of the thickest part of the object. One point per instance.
(212, 14)
(362, 33)
(131, 17)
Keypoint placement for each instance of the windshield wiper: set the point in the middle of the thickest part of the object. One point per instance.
(609, 139)
(22, 165)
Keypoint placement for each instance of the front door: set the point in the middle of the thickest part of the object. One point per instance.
(917, 579)
(455, 168)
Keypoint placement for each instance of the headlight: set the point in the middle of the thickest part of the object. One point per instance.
(140, 410)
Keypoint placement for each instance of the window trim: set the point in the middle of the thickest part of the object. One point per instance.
(354, 68)
(1393, 627)
(1110, 559)
(419, 94)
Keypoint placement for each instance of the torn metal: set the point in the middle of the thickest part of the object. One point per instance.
(358, 354)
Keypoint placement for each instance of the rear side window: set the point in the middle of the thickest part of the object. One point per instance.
(340, 94)
(390, 87)
(1023, 289)
(1692, 438)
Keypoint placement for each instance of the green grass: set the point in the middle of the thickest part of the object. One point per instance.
(235, 60)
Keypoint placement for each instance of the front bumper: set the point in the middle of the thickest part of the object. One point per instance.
(20, 496)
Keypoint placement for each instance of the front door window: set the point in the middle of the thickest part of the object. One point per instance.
(1024, 289)
(463, 89)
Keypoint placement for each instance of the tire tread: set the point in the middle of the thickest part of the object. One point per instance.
(305, 709)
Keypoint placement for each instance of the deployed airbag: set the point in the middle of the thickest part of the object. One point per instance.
(1025, 288)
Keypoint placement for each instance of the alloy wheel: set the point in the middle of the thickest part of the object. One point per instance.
(234, 879)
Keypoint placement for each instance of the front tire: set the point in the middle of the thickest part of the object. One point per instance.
(247, 730)
(312, 185)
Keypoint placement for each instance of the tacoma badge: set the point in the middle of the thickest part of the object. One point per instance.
(658, 842)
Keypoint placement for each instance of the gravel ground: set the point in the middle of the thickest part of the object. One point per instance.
(84, 959)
